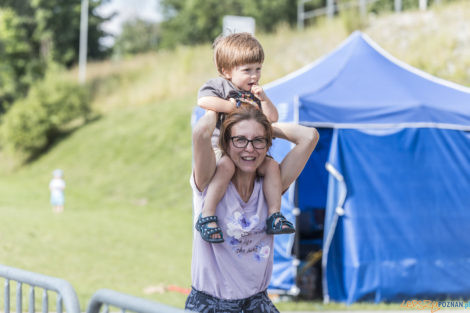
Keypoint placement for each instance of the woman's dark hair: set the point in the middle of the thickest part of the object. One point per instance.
(243, 113)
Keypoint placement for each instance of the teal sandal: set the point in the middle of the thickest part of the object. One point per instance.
(206, 231)
(273, 228)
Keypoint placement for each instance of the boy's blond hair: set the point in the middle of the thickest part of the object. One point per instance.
(235, 50)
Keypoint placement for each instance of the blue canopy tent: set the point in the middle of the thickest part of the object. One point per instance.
(396, 144)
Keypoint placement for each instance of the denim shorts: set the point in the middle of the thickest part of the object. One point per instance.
(201, 302)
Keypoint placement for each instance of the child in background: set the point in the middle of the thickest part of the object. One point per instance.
(57, 186)
(238, 58)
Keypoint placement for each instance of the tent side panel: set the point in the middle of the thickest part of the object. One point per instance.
(284, 270)
(406, 215)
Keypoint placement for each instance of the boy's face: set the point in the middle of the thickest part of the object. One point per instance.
(244, 76)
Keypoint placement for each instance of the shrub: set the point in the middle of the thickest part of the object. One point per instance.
(352, 20)
(35, 122)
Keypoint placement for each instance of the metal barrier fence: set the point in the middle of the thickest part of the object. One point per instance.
(66, 295)
(65, 292)
(337, 5)
(106, 298)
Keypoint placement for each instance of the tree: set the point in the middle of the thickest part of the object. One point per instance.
(18, 63)
(53, 26)
(269, 13)
(196, 21)
(58, 24)
(137, 36)
(35, 33)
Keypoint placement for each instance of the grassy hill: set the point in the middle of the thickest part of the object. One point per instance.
(127, 221)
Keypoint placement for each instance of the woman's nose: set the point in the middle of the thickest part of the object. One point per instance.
(249, 146)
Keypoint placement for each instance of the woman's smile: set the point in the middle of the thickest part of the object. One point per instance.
(247, 159)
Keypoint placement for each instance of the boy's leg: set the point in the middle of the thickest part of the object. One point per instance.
(272, 184)
(216, 189)
(272, 189)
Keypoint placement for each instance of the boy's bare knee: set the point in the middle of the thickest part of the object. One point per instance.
(226, 164)
(269, 165)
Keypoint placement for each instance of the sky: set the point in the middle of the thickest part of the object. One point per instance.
(128, 9)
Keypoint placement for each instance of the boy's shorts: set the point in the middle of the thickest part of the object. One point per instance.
(215, 145)
(218, 153)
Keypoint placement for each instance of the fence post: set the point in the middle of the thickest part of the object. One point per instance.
(423, 5)
(363, 8)
(330, 8)
(300, 14)
(64, 290)
(397, 6)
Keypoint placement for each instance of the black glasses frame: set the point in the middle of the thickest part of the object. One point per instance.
(256, 146)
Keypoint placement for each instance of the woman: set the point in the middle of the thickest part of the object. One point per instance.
(233, 276)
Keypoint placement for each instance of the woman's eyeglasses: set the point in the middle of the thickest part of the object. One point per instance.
(242, 142)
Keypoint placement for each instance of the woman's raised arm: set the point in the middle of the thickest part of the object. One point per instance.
(204, 158)
(305, 140)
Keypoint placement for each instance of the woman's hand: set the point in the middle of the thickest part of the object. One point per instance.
(305, 140)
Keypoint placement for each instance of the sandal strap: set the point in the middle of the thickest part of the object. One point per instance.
(204, 220)
(210, 231)
(206, 231)
(207, 219)
(282, 219)
(276, 215)
(284, 222)
(278, 227)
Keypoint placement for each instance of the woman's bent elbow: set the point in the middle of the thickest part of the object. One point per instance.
(205, 126)
(316, 137)
(311, 137)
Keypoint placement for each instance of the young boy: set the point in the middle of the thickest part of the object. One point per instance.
(239, 58)
(57, 186)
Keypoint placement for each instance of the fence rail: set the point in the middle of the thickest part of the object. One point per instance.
(106, 298)
(66, 293)
(333, 6)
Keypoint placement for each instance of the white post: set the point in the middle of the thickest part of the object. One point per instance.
(300, 14)
(423, 5)
(362, 7)
(83, 42)
(330, 9)
(397, 5)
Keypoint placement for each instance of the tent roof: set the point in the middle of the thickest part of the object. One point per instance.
(361, 85)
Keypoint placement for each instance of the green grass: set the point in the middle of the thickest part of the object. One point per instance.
(127, 221)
